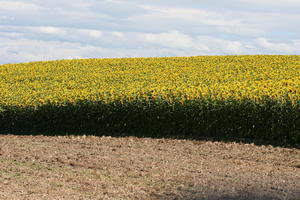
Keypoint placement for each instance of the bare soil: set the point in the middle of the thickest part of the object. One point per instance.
(87, 167)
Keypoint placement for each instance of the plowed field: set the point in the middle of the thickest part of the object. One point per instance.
(87, 167)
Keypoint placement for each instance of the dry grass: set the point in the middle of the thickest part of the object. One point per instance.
(87, 167)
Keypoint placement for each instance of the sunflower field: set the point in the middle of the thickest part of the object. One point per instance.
(246, 97)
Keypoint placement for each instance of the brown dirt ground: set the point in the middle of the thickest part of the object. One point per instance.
(87, 167)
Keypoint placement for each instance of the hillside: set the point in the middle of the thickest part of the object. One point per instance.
(254, 98)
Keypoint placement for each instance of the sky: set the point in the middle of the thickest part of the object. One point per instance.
(34, 30)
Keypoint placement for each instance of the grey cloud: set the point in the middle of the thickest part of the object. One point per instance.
(52, 29)
(263, 6)
(117, 9)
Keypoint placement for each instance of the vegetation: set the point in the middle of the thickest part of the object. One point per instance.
(252, 97)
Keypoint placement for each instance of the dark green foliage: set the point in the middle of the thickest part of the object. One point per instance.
(267, 122)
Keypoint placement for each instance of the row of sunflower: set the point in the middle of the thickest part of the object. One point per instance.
(254, 97)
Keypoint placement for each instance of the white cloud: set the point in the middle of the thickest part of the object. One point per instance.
(280, 47)
(198, 16)
(26, 50)
(4, 17)
(199, 45)
(250, 30)
(52, 29)
(196, 21)
(173, 39)
(55, 33)
(89, 32)
(17, 6)
(11, 34)
(47, 30)
(117, 34)
(273, 3)
(222, 46)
